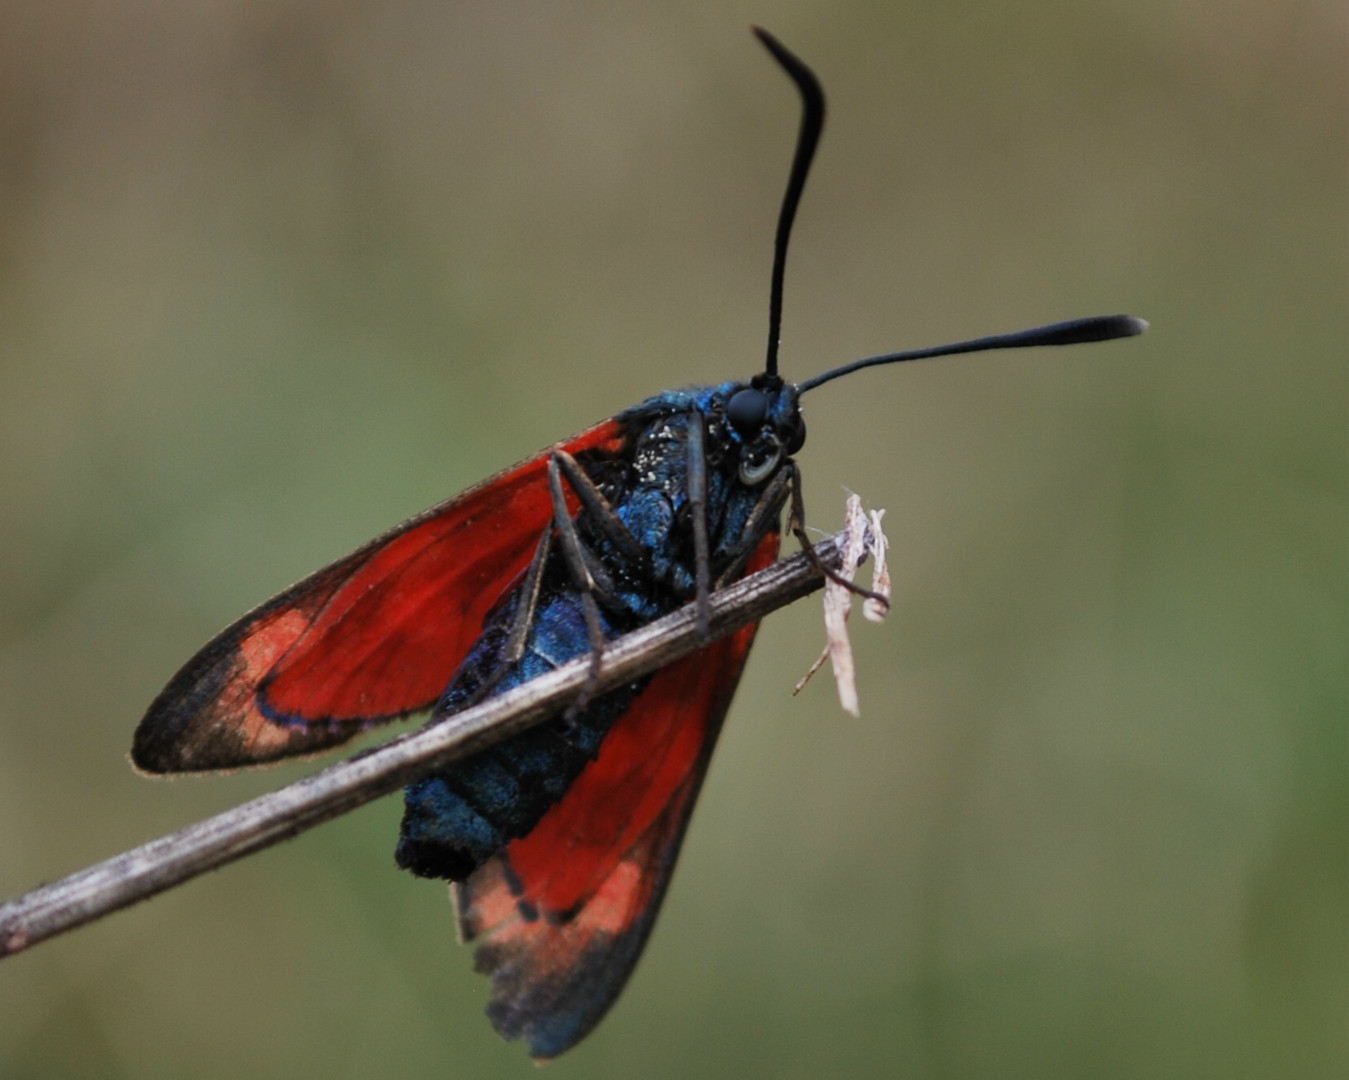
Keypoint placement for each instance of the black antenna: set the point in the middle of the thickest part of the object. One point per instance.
(812, 123)
(1074, 332)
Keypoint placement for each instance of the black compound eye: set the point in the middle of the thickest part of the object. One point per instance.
(797, 438)
(747, 410)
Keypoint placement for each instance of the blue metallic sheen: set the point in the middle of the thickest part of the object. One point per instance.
(458, 818)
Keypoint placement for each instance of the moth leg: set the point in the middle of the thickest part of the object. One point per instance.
(697, 492)
(584, 572)
(601, 510)
(764, 515)
(514, 648)
(605, 517)
(797, 524)
(588, 572)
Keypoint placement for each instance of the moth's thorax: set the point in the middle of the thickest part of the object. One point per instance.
(738, 461)
(751, 429)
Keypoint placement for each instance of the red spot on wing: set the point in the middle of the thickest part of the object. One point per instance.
(567, 909)
(374, 636)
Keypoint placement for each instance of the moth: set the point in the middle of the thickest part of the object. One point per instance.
(559, 841)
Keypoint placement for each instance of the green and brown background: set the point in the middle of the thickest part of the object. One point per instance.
(275, 275)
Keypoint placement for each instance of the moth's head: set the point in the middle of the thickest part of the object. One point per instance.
(763, 423)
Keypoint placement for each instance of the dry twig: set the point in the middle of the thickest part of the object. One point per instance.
(152, 868)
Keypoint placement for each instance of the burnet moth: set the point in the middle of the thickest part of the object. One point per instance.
(559, 841)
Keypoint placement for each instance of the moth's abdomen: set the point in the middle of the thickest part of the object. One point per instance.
(454, 820)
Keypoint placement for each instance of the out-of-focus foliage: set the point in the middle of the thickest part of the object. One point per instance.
(273, 276)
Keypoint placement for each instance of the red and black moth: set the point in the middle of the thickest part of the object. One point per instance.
(560, 840)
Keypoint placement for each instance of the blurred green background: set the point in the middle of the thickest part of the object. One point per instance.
(274, 276)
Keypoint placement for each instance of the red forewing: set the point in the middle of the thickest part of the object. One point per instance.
(374, 636)
(566, 910)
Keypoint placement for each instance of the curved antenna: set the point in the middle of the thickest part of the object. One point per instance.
(1073, 332)
(812, 123)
